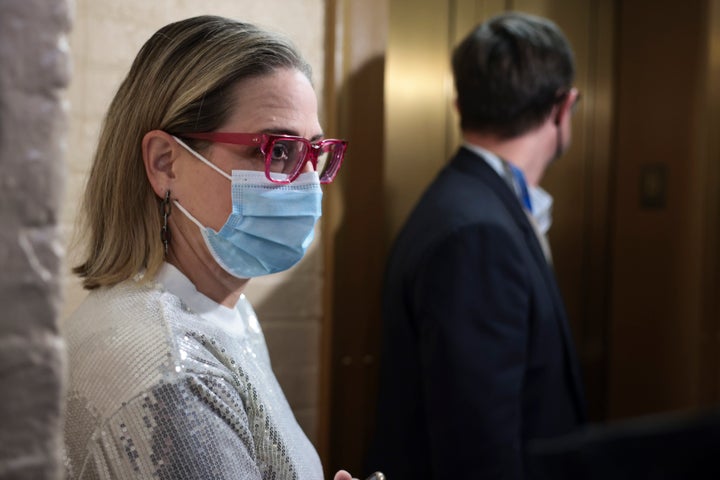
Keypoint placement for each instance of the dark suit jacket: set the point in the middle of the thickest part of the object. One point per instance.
(477, 352)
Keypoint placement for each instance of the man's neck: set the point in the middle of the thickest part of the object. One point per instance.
(530, 152)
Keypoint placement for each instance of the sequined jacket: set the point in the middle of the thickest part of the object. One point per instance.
(164, 383)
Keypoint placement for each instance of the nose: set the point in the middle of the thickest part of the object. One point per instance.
(308, 167)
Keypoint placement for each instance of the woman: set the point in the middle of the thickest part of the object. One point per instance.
(207, 174)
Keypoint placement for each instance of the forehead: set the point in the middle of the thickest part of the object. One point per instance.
(283, 100)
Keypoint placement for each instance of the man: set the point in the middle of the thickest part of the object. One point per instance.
(478, 357)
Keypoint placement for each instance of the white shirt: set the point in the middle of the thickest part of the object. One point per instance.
(540, 200)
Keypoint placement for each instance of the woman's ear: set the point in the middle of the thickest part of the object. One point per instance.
(159, 152)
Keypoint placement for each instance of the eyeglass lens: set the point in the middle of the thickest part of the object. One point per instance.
(287, 157)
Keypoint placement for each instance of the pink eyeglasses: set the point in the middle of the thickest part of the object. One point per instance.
(286, 155)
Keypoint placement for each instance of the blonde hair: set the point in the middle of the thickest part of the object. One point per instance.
(180, 82)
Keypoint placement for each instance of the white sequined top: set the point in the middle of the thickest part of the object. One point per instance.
(165, 383)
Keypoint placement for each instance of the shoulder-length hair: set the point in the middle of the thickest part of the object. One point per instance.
(181, 81)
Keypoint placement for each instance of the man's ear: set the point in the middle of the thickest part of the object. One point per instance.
(159, 152)
(564, 108)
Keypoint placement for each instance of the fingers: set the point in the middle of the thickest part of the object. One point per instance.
(343, 475)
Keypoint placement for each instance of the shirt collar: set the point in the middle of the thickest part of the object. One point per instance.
(495, 162)
(538, 195)
(176, 283)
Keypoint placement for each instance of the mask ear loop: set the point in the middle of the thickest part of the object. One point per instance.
(188, 215)
(202, 159)
(165, 209)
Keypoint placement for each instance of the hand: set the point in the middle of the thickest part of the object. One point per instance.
(343, 475)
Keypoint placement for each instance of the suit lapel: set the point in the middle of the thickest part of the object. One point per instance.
(473, 164)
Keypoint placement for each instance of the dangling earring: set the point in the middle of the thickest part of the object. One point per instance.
(165, 208)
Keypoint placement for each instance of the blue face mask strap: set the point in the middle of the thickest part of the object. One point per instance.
(202, 159)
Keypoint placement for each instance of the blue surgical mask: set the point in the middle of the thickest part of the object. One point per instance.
(271, 225)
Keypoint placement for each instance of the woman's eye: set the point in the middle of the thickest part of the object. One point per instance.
(279, 153)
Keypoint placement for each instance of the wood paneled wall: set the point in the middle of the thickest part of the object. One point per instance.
(664, 265)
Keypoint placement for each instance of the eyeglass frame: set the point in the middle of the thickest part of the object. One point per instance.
(265, 141)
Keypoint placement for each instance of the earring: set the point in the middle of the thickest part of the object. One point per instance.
(165, 208)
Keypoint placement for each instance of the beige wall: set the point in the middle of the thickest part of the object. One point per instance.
(106, 36)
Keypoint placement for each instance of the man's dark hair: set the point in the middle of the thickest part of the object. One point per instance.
(509, 73)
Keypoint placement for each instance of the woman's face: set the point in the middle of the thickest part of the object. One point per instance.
(282, 102)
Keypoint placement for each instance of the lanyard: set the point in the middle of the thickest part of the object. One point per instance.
(521, 186)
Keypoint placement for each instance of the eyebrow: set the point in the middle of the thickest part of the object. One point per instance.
(280, 131)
